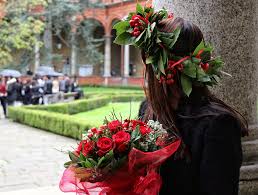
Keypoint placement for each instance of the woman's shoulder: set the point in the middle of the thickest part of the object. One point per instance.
(212, 118)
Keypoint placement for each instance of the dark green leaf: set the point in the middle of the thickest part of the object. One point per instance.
(73, 157)
(189, 69)
(87, 164)
(67, 164)
(93, 162)
(200, 72)
(186, 84)
(121, 27)
(164, 58)
(100, 161)
(176, 34)
(161, 65)
(139, 9)
(196, 60)
(135, 134)
(82, 157)
(198, 48)
(124, 39)
(140, 36)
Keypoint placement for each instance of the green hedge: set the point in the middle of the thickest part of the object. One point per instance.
(75, 106)
(114, 87)
(61, 124)
(86, 104)
(57, 117)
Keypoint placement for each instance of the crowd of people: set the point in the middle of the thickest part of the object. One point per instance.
(36, 90)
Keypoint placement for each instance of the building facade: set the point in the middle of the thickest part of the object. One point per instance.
(121, 64)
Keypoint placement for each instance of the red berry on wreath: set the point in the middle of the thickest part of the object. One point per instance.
(180, 67)
(137, 24)
(136, 33)
(141, 28)
(136, 19)
(136, 29)
(169, 76)
(132, 23)
(205, 67)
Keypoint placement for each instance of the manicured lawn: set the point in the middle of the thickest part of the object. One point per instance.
(111, 90)
(97, 116)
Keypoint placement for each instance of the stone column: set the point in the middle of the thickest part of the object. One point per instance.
(37, 56)
(126, 60)
(48, 42)
(231, 26)
(107, 60)
(73, 56)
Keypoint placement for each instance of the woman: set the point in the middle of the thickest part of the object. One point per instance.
(209, 163)
(3, 94)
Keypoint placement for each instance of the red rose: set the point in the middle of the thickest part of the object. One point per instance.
(94, 130)
(114, 126)
(104, 144)
(121, 140)
(145, 130)
(103, 127)
(85, 147)
(126, 124)
(137, 123)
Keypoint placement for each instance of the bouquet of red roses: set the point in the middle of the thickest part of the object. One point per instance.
(121, 157)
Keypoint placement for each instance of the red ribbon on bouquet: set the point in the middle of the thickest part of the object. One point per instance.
(137, 177)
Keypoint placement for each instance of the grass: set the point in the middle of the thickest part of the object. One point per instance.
(97, 115)
(110, 90)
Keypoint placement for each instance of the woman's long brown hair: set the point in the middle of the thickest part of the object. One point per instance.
(163, 100)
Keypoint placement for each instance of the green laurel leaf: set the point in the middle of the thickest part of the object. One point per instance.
(186, 84)
(124, 39)
(161, 65)
(121, 27)
(139, 9)
(198, 48)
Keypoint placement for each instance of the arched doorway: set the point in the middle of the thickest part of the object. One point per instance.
(90, 40)
(116, 56)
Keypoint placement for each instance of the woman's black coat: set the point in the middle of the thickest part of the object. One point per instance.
(213, 139)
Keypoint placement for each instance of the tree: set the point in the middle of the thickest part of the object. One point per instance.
(65, 20)
(19, 27)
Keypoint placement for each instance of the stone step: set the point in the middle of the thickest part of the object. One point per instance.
(248, 187)
(249, 180)
(250, 150)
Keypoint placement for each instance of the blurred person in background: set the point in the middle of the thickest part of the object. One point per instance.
(48, 85)
(75, 88)
(26, 92)
(11, 90)
(67, 83)
(55, 85)
(19, 91)
(62, 84)
(36, 93)
(3, 95)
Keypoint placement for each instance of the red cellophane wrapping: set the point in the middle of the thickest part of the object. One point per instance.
(138, 176)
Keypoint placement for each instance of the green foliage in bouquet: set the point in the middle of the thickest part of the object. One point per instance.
(140, 29)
